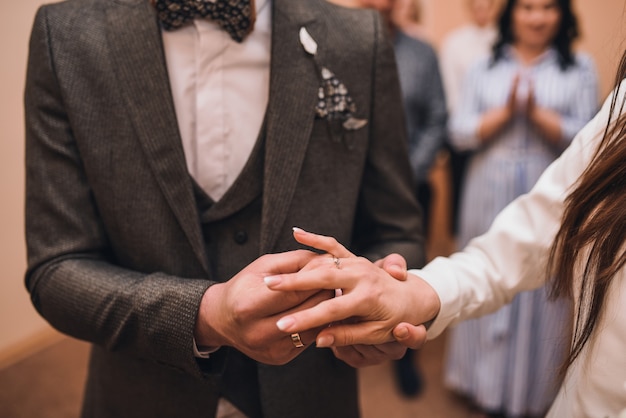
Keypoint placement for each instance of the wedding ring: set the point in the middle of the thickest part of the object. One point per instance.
(337, 262)
(295, 339)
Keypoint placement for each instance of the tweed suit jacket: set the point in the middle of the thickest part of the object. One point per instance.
(116, 252)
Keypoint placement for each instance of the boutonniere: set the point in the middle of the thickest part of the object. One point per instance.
(333, 99)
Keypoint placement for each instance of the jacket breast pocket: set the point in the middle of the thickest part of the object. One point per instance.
(334, 149)
(340, 138)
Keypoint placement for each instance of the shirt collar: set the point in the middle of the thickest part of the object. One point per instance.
(547, 57)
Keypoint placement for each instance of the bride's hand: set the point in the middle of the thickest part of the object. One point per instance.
(373, 303)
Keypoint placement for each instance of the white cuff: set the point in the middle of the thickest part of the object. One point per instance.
(203, 352)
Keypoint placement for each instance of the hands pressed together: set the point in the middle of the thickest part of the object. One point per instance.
(365, 312)
(522, 101)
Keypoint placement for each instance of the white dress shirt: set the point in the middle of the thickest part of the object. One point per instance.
(220, 90)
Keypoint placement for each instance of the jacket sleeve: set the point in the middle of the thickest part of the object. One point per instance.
(72, 276)
(429, 138)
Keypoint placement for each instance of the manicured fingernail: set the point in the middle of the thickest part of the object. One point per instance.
(284, 324)
(272, 280)
(324, 341)
(298, 230)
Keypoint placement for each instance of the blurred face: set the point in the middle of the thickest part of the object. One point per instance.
(482, 11)
(383, 6)
(404, 10)
(535, 23)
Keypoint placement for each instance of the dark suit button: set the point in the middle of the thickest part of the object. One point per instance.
(241, 237)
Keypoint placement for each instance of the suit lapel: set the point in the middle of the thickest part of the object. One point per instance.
(134, 36)
(294, 81)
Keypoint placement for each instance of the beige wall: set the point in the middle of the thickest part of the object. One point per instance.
(19, 324)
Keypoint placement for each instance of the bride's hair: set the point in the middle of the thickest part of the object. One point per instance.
(593, 229)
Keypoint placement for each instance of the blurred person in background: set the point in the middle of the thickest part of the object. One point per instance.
(406, 17)
(519, 109)
(459, 50)
(426, 115)
(464, 45)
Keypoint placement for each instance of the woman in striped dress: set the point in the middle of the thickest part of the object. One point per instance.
(519, 110)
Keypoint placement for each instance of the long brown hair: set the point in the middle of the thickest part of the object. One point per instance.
(593, 229)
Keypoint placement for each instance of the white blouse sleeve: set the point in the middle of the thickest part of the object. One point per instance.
(512, 255)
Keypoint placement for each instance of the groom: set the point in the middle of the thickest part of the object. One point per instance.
(167, 153)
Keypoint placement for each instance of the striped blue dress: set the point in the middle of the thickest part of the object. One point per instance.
(508, 361)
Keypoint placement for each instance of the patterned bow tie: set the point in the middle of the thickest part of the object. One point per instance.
(234, 16)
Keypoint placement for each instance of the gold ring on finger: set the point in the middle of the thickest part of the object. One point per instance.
(296, 340)
(337, 262)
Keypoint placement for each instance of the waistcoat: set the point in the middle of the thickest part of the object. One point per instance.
(231, 229)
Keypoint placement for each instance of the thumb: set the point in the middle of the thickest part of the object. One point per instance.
(410, 336)
(395, 265)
